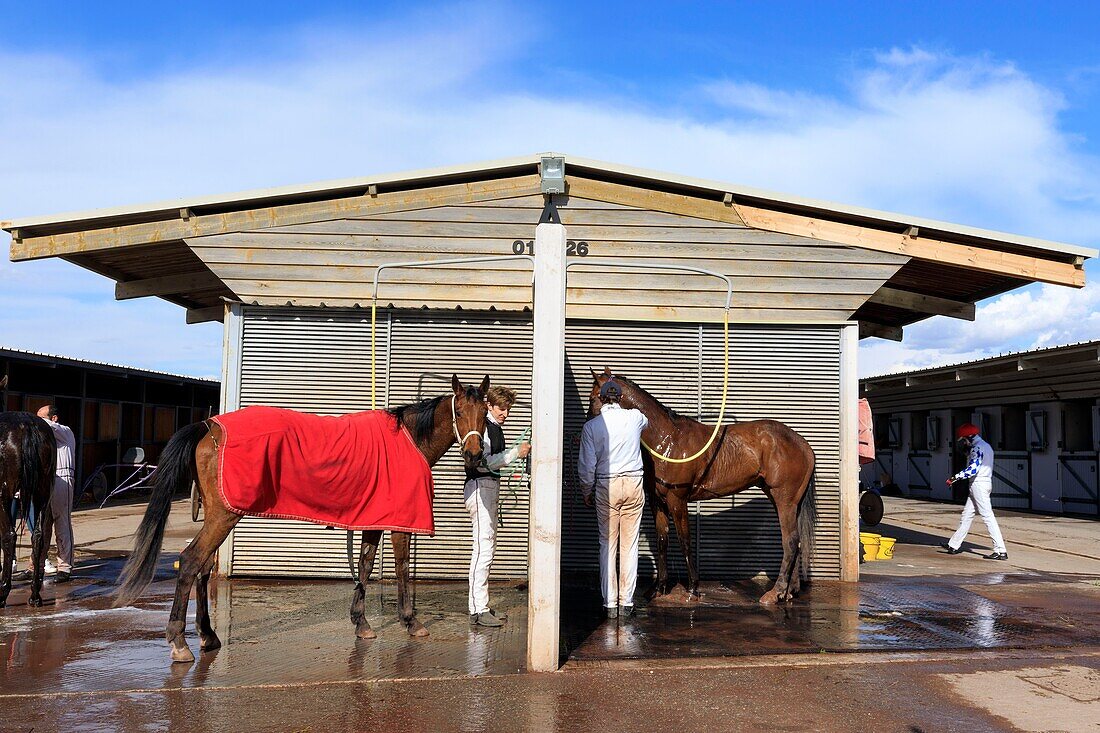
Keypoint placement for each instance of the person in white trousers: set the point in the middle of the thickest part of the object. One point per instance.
(979, 469)
(610, 471)
(61, 500)
(481, 492)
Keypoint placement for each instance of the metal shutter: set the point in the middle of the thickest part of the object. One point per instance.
(427, 347)
(790, 374)
(314, 361)
(320, 362)
(663, 358)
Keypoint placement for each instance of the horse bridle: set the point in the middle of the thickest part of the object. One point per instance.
(454, 425)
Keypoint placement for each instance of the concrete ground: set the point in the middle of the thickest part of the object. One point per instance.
(927, 642)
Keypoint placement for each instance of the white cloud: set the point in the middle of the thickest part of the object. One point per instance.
(964, 139)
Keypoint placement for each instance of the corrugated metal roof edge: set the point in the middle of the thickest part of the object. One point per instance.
(4, 351)
(988, 360)
(271, 195)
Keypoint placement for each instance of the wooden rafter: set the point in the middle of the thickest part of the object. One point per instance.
(960, 255)
(167, 285)
(867, 329)
(923, 303)
(202, 315)
(670, 203)
(30, 248)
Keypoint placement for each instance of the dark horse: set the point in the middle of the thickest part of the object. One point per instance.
(191, 455)
(28, 457)
(763, 453)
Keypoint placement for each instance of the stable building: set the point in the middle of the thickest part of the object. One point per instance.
(114, 411)
(1039, 410)
(290, 271)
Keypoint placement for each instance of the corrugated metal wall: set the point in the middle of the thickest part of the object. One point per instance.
(427, 348)
(319, 361)
(314, 361)
(791, 374)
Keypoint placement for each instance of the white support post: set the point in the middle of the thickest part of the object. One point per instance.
(849, 453)
(232, 332)
(548, 382)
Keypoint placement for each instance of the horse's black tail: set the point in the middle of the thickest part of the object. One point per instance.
(807, 521)
(173, 474)
(39, 464)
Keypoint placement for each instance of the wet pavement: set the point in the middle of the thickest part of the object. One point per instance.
(879, 614)
(272, 633)
(925, 642)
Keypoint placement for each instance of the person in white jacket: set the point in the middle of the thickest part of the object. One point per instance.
(610, 471)
(979, 469)
(481, 492)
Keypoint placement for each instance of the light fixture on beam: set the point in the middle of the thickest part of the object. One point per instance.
(552, 170)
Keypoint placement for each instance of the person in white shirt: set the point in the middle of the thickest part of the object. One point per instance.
(481, 492)
(610, 469)
(979, 469)
(61, 501)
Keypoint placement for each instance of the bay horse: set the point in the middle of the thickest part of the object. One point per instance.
(28, 458)
(762, 453)
(191, 455)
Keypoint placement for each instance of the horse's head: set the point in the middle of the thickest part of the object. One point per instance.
(598, 381)
(469, 418)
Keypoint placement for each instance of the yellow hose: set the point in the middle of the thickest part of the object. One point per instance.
(721, 411)
(373, 310)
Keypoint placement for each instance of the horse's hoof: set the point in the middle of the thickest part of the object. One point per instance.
(769, 598)
(182, 655)
(417, 629)
(35, 602)
(365, 632)
(210, 643)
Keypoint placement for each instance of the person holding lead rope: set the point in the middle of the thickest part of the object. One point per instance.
(481, 492)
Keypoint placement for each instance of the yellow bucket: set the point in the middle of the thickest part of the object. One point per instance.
(886, 548)
(870, 542)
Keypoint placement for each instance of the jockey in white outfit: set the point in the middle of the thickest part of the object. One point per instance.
(979, 469)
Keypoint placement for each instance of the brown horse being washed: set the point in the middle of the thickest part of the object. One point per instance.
(763, 453)
(191, 455)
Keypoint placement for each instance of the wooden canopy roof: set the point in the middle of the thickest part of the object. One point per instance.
(942, 268)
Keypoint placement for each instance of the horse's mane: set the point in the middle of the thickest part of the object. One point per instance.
(423, 413)
(672, 414)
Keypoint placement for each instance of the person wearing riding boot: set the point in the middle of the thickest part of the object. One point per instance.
(610, 469)
(979, 469)
(481, 491)
(61, 500)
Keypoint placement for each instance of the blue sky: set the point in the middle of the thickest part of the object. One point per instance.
(983, 114)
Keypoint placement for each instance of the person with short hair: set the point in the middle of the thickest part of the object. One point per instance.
(61, 500)
(979, 469)
(481, 493)
(610, 470)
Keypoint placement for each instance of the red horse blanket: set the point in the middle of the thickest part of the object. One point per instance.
(357, 471)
